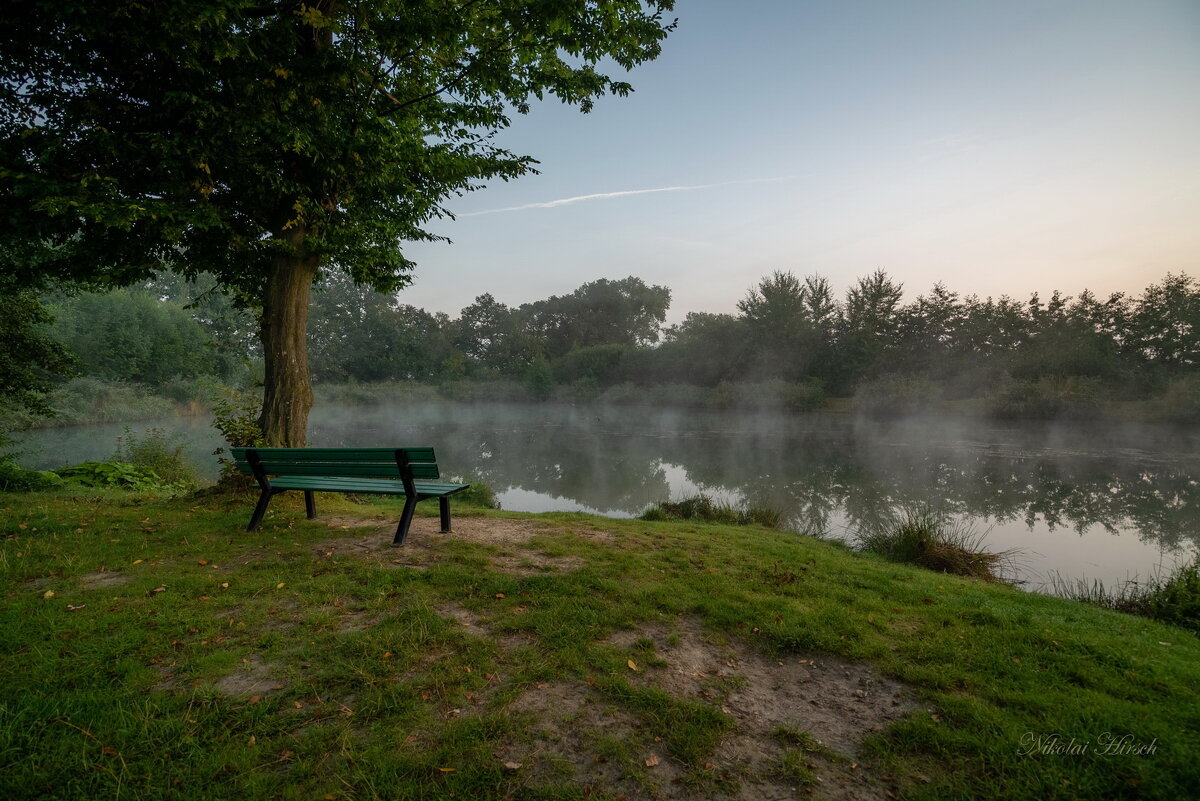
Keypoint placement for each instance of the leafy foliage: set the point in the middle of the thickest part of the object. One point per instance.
(14, 478)
(133, 336)
(112, 474)
(29, 357)
(273, 144)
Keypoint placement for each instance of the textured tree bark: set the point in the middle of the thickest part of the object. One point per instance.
(287, 387)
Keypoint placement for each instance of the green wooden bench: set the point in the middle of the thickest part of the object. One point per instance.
(411, 472)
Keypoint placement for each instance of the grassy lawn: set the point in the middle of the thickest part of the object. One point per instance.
(151, 649)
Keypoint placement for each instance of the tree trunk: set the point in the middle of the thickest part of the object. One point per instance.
(287, 388)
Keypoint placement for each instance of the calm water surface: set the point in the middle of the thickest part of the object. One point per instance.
(1093, 502)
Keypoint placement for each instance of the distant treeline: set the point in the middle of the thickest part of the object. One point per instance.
(793, 339)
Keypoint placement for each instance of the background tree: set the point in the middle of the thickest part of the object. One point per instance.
(602, 312)
(492, 337)
(868, 324)
(272, 143)
(1164, 325)
(774, 312)
(130, 335)
(30, 358)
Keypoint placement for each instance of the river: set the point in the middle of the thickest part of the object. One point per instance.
(1081, 502)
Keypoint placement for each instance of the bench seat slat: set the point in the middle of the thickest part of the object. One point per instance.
(382, 470)
(380, 486)
(422, 454)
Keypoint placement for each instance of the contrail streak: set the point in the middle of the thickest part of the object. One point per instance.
(549, 204)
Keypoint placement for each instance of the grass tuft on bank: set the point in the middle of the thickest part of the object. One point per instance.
(923, 536)
(703, 508)
(150, 647)
(1172, 598)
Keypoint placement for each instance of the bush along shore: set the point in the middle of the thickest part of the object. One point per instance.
(151, 644)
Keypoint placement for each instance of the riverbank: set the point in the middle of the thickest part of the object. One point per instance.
(86, 400)
(154, 646)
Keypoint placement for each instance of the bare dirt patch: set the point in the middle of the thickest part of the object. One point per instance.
(831, 702)
(576, 735)
(252, 677)
(471, 623)
(528, 563)
(104, 578)
(373, 541)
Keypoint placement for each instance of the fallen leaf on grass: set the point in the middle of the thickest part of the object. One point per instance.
(75, 608)
(279, 586)
(651, 760)
(108, 750)
(446, 770)
(632, 664)
(513, 765)
(138, 561)
(48, 594)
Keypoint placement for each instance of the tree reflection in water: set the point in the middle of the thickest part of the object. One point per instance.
(823, 471)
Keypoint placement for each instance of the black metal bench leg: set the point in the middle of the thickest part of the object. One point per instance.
(444, 508)
(260, 510)
(310, 506)
(406, 516)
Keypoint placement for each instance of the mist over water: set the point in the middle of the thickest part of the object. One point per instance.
(1084, 501)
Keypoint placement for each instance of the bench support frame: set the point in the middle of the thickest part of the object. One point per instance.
(411, 497)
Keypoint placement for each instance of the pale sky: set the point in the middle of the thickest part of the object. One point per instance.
(1001, 148)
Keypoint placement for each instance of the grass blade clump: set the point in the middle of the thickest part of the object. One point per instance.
(922, 536)
(1173, 599)
(160, 453)
(702, 507)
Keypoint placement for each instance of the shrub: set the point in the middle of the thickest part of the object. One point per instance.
(539, 379)
(112, 474)
(14, 478)
(92, 400)
(235, 415)
(897, 396)
(1180, 403)
(157, 452)
(1049, 398)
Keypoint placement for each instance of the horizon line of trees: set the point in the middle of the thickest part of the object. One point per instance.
(610, 332)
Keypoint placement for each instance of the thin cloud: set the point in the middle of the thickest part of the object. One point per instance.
(566, 201)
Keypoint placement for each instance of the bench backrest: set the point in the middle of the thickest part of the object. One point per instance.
(357, 462)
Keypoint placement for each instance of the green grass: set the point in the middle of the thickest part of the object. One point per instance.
(1172, 598)
(210, 663)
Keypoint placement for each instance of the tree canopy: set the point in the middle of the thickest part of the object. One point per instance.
(270, 143)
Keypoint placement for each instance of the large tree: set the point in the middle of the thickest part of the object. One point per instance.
(270, 143)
